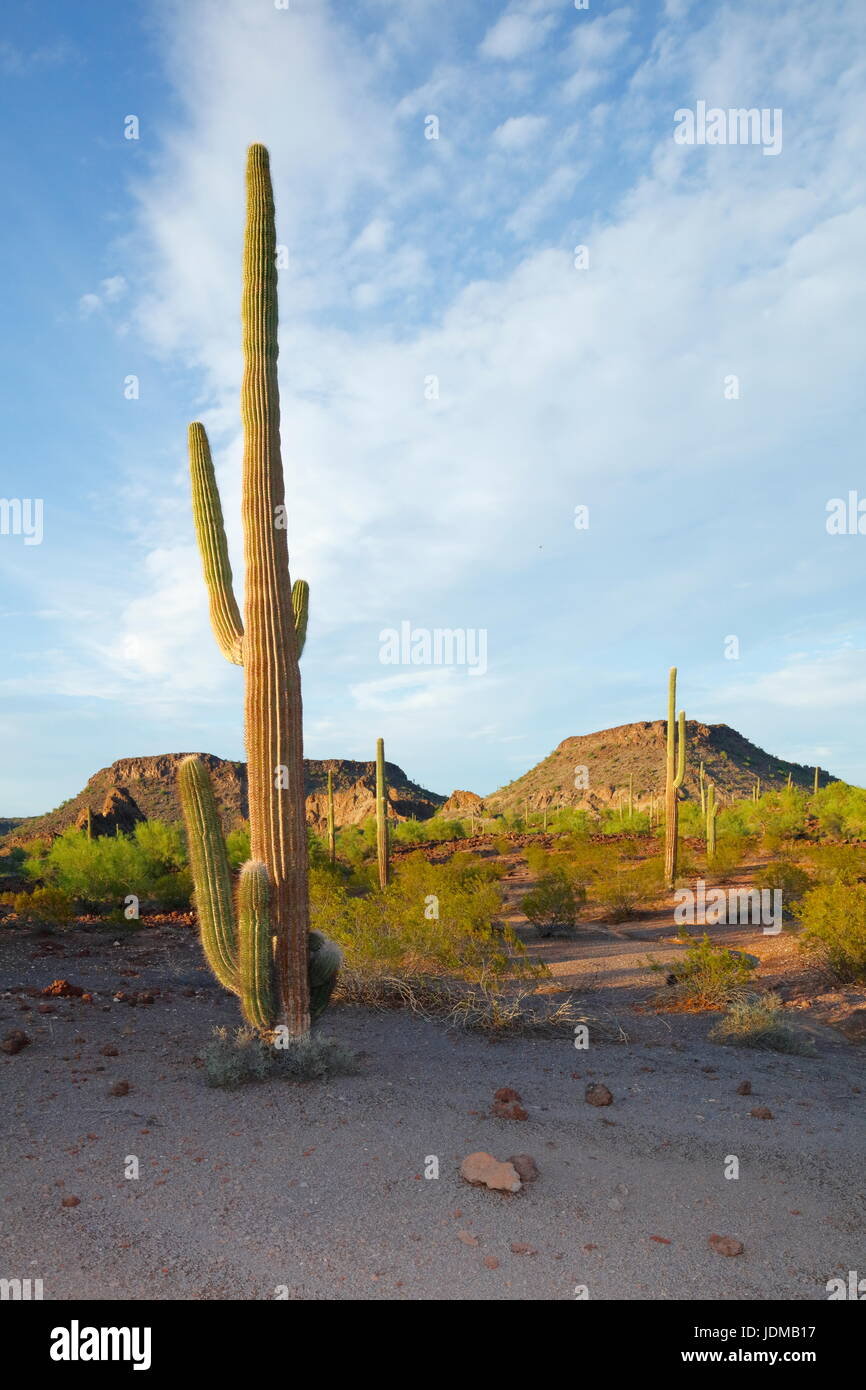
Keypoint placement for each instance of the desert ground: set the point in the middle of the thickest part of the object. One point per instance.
(319, 1190)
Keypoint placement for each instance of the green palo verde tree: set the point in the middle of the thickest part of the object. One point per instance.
(261, 946)
(675, 768)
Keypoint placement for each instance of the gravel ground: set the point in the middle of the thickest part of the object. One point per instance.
(320, 1189)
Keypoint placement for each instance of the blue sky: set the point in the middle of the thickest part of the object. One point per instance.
(411, 258)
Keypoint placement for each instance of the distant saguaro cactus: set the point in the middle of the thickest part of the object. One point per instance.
(712, 812)
(675, 769)
(264, 950)
(815, 786)
(703, 787)
(381, 814)
(332, 837)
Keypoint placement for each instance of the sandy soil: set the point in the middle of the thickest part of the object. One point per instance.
(321, 1188)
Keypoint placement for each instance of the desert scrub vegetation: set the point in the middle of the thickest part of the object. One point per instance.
(760, 1022)
(704, 977)
(236, 1058)
(431, 919)
(554, 903)
(151, 863)
(833, 918)
(789, 878)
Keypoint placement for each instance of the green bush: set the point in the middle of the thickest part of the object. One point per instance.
(44, 907)
(834, 927)
(149, 863)
(432, 918)
(553, 904)
(790, 878)
(705, 976)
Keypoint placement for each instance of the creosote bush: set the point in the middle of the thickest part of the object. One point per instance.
(834, 928)
(553, 904)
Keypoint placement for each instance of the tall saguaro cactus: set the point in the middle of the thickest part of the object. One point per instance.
(264, 949)
(675, 770)
(381, 814)
(815, 784)
(712, 812)
(332, 837)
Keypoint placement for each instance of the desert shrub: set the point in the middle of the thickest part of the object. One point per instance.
(410, 832)
(841, 810)
(838, 863)
(729, 855)
(171, 892)
(705, 977)
(149, 863)
(553, 904)
(235, 1059)
(834, 927)
(619, 892)
(432, 918)
(760, 1022)
(44, 907)
(163, 846)
(790, 878)
(238, 846)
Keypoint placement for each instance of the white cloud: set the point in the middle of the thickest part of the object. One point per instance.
(515, 35)
(518, 132)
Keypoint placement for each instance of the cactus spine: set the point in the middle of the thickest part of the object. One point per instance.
(675, 772)
(381, 814)
(273, 904)
(332, 838)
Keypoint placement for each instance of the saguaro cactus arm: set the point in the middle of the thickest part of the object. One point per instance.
(210, 531)
(209, 867)
(255, 961)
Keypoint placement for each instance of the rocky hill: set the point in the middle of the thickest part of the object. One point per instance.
(638, 750)
(134, 789)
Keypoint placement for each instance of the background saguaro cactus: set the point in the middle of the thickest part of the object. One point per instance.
(381, 814)
(675, 770)
(712, 812)
(273, 905)
(332, 834)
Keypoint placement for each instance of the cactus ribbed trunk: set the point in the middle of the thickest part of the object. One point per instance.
(332, 835)
(674, 773)
(815, 785)
(381, 814)
(272, 707)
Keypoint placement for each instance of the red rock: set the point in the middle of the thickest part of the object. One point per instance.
(108, 1050)
(62, 989)
(660, 1240)
(597, 1094)
(45, 1009)
(760, 1112)
(467, 1237)
(726, 1245)
(71, 1202)
(491, 1262)
(505, 1093)
(527, 1168)
(120, 1088)
(519, 1249)
(502, 1111)
(744, 1088)
(483, 1170)
(15, 1041)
